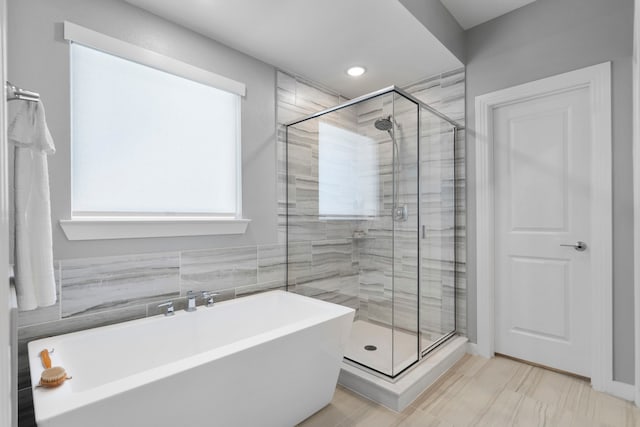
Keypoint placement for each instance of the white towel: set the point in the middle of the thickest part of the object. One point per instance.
(35, 280)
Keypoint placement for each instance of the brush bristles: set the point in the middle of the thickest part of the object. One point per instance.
(53, 377)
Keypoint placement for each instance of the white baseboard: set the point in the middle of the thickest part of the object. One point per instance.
(472, 348)
(622, 390)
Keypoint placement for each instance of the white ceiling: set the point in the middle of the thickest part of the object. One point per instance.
(319, 39)
(470, 13)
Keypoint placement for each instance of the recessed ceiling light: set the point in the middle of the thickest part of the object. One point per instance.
(356, 71)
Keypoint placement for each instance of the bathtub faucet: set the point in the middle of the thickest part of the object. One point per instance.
(191, 301)
(209, 298)
(169, 309)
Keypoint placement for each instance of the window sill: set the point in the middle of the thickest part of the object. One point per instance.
(137, 228)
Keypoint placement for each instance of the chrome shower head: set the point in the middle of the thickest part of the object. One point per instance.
(384, 123)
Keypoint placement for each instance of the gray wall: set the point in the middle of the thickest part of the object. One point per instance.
(38, 59)
(439, 21)
(539, 40)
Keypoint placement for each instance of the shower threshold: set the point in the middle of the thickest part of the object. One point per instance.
(399, 394)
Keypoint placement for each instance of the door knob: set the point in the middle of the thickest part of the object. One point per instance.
(578, 246)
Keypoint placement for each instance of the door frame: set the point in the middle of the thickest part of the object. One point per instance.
(597, 79)
(6, 403)
(636, 191)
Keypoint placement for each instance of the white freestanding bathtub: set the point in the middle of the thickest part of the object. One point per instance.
(270, 359)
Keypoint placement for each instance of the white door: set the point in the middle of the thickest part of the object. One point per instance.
(542, 149)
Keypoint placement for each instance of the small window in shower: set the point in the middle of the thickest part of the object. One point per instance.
(348, 174)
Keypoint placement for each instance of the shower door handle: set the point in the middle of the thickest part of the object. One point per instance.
(424, 232)
(578, 246)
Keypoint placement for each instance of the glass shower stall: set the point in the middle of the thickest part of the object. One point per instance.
(370, 220)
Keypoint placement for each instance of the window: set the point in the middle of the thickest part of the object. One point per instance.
(148, 142)
(348, 174)
(152, 138)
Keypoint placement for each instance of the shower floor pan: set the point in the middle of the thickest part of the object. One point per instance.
(398, 393)
(365, 334)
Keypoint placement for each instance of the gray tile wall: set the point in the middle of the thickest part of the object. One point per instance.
(96, 292)
(443, 252)
(390, 287)
(323, 263)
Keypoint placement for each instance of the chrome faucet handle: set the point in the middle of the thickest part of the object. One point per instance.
(170, 310)
(191, 301)
(209, 298)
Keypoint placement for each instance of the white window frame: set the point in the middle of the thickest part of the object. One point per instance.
(85, 226)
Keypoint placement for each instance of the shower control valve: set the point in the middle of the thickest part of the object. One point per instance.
(401, 213)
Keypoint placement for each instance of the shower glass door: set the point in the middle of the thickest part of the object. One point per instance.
(352, 222)
(438, 229)
(405, 220)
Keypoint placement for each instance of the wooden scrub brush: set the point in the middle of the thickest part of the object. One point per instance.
(51, 377)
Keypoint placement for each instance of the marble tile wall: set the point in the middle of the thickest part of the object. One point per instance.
(100, 291)
(323, 261)
(389, 285)
(443, 252)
